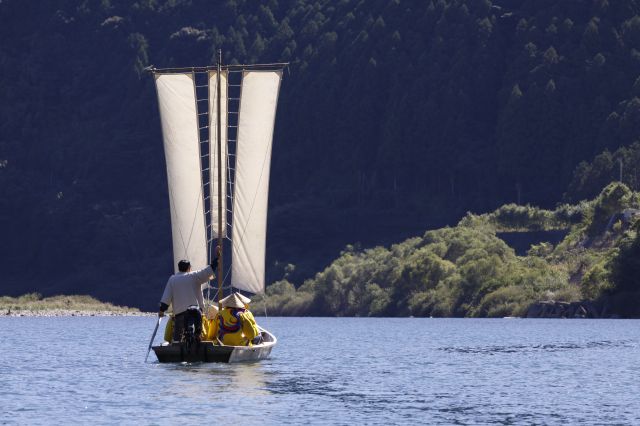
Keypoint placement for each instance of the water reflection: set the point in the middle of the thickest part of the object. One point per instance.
(247, 379)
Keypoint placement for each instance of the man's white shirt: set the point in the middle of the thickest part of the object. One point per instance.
(185, 289)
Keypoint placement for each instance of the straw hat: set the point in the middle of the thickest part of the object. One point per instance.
(232, 301)
(211, 311)
(242, 297)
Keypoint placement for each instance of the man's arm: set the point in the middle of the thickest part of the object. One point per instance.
(163, 308)
(214, 263)
(165, 301)
(205, 274)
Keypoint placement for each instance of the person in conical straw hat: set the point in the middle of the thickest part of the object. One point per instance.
(233, 325)
(245, 300)
(233, 301)
(247, 312)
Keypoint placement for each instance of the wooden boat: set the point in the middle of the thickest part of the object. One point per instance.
(217, 127)
(208, 351)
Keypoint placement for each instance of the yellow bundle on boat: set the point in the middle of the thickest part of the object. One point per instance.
(206, 324)
(233, 327)
(168, 330)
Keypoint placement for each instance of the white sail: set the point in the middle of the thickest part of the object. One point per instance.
(213, 134)
(177, 101)
(258, 100)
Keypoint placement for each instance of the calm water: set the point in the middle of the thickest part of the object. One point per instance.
(328, 371)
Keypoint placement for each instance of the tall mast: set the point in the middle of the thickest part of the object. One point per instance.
(219, 147)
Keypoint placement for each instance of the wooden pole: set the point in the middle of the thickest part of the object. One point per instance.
(220, 159)
(153, 336)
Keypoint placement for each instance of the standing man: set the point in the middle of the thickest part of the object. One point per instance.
(184, 292)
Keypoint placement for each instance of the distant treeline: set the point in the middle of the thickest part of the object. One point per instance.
(395, 116)
(466, 271)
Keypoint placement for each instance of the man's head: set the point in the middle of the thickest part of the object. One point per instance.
(184, 266)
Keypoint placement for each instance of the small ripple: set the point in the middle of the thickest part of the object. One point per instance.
(315, 386)
(553, 347)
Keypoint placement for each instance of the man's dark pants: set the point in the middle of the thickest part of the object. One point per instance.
(181, 320)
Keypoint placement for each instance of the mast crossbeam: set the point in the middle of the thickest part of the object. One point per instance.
(231, 68)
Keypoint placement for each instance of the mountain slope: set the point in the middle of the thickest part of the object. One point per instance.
(394, 116)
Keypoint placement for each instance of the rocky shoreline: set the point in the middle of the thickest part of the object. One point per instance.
(73, 313)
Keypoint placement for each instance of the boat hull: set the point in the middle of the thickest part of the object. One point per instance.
(209, 352)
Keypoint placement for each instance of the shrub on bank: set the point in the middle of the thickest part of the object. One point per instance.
(458, 271)
(614, 198)
(468, 271)
(519, 218)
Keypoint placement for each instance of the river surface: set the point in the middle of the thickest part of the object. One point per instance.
(344, 371)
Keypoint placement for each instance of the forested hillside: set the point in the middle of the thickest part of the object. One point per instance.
(394, 116)
(467, 270)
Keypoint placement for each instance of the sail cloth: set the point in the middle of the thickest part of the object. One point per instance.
(177, 102)
(258, 100)
(213, 135)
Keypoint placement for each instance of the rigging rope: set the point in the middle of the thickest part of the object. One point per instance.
(206, 201)
(214, 158)
(230, 193)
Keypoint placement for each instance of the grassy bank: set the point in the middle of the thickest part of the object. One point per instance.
(34, 304)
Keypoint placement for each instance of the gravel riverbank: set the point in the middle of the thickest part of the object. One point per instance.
(73, 313)
(34, 305)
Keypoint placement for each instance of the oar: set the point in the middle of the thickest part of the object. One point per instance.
(153, 336)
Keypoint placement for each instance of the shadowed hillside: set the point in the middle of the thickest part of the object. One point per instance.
(394, 116)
